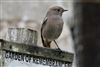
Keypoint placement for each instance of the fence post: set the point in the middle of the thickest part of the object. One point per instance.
(21, 35)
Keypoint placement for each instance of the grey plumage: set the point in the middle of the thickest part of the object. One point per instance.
(52, 25)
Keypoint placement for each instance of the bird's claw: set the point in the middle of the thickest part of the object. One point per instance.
(59, 49)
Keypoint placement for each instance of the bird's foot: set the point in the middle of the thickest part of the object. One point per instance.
(59, 49)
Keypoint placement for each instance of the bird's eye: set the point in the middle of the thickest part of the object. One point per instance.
(58, 10)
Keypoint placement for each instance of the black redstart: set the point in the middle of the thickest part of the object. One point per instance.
(52, 25)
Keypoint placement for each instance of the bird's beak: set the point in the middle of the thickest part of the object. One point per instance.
(65, 10)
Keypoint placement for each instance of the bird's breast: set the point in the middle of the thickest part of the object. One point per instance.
(53, 28)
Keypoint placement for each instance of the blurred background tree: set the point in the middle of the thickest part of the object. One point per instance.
(87, 32)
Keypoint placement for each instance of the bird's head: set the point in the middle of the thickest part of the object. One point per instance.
(56, 10)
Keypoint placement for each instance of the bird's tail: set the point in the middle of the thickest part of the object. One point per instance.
(45, 43)
(42, 38)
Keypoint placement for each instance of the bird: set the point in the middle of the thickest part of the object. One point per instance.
(52, 26)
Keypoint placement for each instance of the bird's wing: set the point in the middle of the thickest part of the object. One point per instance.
(44, 23)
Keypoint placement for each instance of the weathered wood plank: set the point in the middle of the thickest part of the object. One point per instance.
(38, 51)
(22, 35)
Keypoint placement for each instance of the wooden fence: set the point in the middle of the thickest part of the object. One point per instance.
(20, 49)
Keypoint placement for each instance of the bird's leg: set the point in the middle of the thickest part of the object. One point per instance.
(48, 44)
(57, 45)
